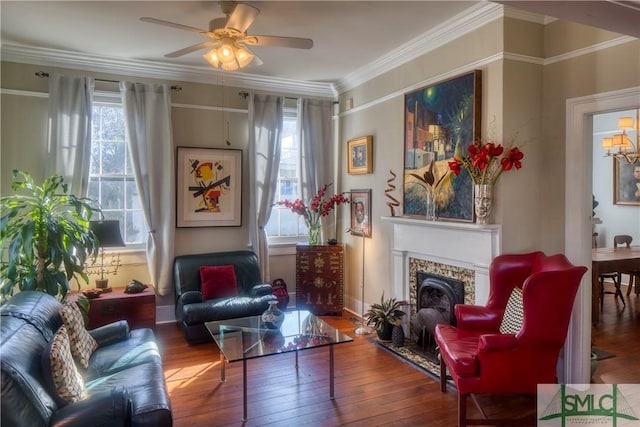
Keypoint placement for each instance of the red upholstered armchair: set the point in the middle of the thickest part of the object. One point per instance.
(481, 359)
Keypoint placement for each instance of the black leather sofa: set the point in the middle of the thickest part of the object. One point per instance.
(192, 311)
(124, 381)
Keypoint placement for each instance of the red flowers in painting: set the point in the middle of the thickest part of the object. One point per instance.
(320, 205)
(484, 163)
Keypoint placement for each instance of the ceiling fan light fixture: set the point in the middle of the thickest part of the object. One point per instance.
(243, 56)
(229, 66)
(226, 52)
(229, 34)
(229, 57)
(212, 58)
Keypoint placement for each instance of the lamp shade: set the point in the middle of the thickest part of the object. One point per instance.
(226, 52)
(622, 141)
(243, 56)
(212, 57)
(107, 232)
(625, 122)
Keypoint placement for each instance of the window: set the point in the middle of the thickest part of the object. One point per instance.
(111, 179)
(284, 226)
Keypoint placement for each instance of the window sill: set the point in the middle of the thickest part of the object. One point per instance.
(128, 256)
(283, 248)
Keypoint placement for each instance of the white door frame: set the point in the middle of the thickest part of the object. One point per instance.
(578, 210)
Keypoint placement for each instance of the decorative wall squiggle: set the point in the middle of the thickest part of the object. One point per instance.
(393, 202)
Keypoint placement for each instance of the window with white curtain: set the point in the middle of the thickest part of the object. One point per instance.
(284, 226)
(111, 179)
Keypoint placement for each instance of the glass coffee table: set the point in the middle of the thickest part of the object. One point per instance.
(248, 338)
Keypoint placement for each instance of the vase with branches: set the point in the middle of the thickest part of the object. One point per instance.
(432, 183)
(320, 206)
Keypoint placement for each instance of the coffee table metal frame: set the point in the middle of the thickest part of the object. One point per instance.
(248, 338)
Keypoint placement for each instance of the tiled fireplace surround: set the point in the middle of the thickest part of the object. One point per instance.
(459, 247)
(451, 249)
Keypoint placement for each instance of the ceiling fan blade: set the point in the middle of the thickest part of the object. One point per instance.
(256, 60)
(190, 49)
(172, 25)
(242, 17)
(295, 42)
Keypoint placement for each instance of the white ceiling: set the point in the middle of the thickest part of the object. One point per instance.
(350, 37)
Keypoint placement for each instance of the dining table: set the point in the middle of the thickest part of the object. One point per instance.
(610, 260)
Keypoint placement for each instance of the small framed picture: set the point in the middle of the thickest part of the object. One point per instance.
(361, 212)
(208, 187)
(360, 155)
(626, 183)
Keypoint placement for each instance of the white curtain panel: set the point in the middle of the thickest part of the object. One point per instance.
(265, 135)
(317, 153)
(69, 133)
(147, 110)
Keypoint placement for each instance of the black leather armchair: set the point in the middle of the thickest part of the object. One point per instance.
(192, 311)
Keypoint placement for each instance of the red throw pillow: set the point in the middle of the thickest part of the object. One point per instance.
(218, 281)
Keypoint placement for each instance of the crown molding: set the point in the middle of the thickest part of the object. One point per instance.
(449, 30)
(427, 82)
(590, 49)
(523, 15)
(461, 24)
(155, 70)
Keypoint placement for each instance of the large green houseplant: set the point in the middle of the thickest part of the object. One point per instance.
(45, 236)
(383, 316)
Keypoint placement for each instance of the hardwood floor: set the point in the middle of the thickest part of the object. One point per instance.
(372, 387)
(618, 333)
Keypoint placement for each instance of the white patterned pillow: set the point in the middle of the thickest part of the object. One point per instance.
(81, 342)
(64, 375)
(513, 313)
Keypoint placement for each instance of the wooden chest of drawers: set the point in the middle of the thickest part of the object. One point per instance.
(137, 309)
(320, 278)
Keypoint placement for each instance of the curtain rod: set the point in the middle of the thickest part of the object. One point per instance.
(244, 95)
(43, 74)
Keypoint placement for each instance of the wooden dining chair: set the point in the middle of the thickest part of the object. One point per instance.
(616, 276)
(622, 239)
(634, 275)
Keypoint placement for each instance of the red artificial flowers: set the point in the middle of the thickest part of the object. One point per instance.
(484, 163)
(319, 207)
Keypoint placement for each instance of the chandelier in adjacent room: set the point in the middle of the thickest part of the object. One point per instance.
(622, 145)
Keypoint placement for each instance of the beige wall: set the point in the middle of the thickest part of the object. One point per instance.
(601, 71)
(524, 91)
(197, 119)
(525, 85)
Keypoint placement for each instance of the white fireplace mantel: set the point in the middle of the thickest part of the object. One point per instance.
(465, 245)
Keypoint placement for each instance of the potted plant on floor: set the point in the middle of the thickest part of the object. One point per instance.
(382, 316)
(45, 236)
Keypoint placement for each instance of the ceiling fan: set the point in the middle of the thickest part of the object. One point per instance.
(229, 39)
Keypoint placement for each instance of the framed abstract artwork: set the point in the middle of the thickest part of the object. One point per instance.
(361, 212)
(441, 120)
(360, 155)
(208, 187)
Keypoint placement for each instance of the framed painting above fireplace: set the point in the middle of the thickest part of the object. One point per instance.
(441, 120)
